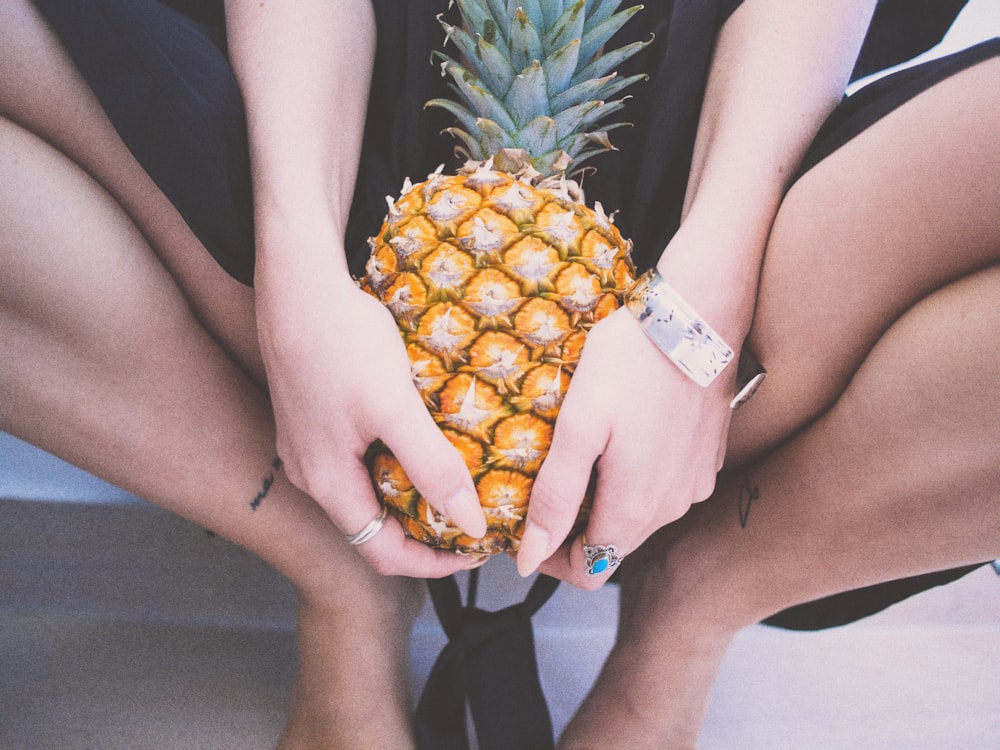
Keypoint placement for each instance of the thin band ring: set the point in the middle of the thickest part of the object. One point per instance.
(373, 527)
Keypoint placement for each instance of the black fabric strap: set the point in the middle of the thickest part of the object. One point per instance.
(489, 662)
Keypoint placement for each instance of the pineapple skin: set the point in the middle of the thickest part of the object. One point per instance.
(493, 282)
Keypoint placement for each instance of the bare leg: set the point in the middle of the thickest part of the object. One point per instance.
(126, 351)
(899, 476)
(69, 117)
(104, 364)
(853, 500)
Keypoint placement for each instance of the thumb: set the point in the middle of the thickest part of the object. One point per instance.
(556, 497)
(434, 465)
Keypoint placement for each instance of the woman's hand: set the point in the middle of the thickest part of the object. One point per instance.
(659, 437)
(336, 367)
(339, 378)
(658, 440)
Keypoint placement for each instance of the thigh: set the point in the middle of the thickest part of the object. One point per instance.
(896, 213)
(69, 117)
(93, 330)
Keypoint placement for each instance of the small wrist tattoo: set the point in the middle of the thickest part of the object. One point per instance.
(265, 486)
(749, 494)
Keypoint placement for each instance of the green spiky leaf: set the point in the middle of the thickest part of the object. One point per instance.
(539, 136)
(533, 10)
(568, 27)
(528, 95)
(599, 11)
(480, 18)
(525, 42)
(479, 99)
(534, 75)
(599, 35)
(607, 62)
(465, 118)
(492, 137)
(593, 88)
(561, 65)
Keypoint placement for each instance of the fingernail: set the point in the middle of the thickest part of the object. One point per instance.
(478, 560)
(533, 550)
(473, 520)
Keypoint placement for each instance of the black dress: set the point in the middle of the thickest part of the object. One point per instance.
(159, 68)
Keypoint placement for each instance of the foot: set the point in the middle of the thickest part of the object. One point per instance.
(353, 684)
(654, 688)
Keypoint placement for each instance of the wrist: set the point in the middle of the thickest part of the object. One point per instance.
(677, 330)
(716, 270)
(298, 245)
(683, 336)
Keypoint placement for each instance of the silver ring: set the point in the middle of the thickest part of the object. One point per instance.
(600, 558)
(373, 527)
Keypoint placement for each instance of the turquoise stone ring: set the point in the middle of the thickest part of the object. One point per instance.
(600, 558)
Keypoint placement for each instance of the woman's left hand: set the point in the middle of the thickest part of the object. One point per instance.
(658, 440)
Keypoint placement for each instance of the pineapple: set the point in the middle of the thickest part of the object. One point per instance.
(495, 274)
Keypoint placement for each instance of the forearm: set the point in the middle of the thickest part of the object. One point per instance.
(304, 69)
(779, 69)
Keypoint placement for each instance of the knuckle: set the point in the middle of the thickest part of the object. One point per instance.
(674, 512)
(443, 473)
(672, 506)
(571, 421)
(549, 500)
(318, 483)
(630, 517)
(308, 472)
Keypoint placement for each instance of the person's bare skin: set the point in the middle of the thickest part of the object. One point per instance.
(888, 373)
(129, 352)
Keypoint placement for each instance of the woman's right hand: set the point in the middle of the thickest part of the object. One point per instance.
(336, 366)
(339, 378)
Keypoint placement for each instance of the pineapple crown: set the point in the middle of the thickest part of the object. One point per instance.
(534, 82)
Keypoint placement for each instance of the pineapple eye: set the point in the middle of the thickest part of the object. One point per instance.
(470, 448)
(447, 267)
(486, 233)
(447, 330)
(406, 294)
(504, 488)
(578, 288)
(450, 204)
(471, 405)
(597, 249)
(516, 197)
(492, 294)
(522, 441)
(416, 237)
(542, 323)
(534, 261)
(559, 226)
(389, 476)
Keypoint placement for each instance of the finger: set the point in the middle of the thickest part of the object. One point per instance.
(433, 464)
(569, 564)
(620, 519)
(559, 564)
(350, 500)
(389, 551)
(392, 552)
(558, 490)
